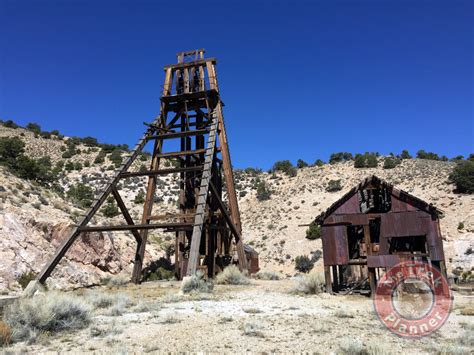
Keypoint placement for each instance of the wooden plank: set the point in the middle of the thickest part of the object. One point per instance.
(202, 199)
(161, 171)
(125, 213)
(231, 193)
(194, 63)
(172, 135)
(181, 153)
(127, 227)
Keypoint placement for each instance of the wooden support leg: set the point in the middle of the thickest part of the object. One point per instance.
(372, 280)
(334, 277)
(327, 276)
(147, 209)
(341, 274)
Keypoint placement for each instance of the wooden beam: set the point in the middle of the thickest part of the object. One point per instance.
(161, 171)
(125, 214)
(194, 63)
(195, 132)
(127, 227)
(182, 153)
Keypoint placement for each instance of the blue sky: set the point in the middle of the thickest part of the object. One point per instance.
(300, 79)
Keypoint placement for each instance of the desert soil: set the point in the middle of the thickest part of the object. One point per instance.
(265, 316)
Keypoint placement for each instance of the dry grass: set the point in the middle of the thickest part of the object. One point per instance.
(196, 283)
(52, 313)
(310, 284)
(5, 334)
(268, 275)
(232, 276)
(352, 346)
(252, 329)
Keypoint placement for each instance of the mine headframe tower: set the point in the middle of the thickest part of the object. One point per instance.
(208, 231)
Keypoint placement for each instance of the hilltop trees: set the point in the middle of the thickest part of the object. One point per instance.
(12, 156)
(340, 157)
(286, 167)
(367, 160)
(463, 176)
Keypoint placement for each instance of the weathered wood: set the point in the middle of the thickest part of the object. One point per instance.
(202, 198)
(125, 214)
(161, 171)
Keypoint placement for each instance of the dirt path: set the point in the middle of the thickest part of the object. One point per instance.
(261, 317)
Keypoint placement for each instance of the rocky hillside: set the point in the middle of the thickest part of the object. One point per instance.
(33, 219)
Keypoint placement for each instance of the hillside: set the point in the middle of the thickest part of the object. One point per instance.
(34, 219)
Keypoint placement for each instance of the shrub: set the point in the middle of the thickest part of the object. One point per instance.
(366, 160)
(313, 231)
(405, 155)
(334, 185)
(139, 198)
(390, 163)
(303, 263)
(5, 334)
(232, 276)
(10, 124)
(421, 154)
(286, 167)
(37, 170)
(319, 162)
(263, 192)
(196, 283)
(10, 150)
(463, 176)
(252, 329)
(100, 158)
(69, 166)
(33, 127)
(460, 226)
(100, 299)
(81, 194)
(160, 269)
(25, 278)
(110, 210)
(118, 280)
(51, 313)
(339, 157)
(352, 346)
(116, 158)
(121, 303)
(310, 284)
(90, 141)
(301, 164)
(268, 275)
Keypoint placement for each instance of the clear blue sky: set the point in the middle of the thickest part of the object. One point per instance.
(300, 79)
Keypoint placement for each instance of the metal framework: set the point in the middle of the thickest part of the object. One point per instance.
(208, 232)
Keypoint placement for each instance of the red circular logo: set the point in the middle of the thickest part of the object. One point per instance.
(413, 299)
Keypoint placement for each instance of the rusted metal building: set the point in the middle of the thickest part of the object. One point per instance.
(374, 227)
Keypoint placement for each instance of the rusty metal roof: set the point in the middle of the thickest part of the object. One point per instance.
(374, 180)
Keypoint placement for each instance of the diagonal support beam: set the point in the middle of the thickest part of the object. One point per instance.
(125, 214)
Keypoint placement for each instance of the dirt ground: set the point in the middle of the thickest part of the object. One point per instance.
(264, 316)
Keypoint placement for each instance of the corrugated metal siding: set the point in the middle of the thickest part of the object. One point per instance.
(350, 206)
(435, 243)
(403, 224)
(335, 250)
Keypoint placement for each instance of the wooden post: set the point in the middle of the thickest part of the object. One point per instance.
(335, 278)
(327, 276)
(371, 271)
